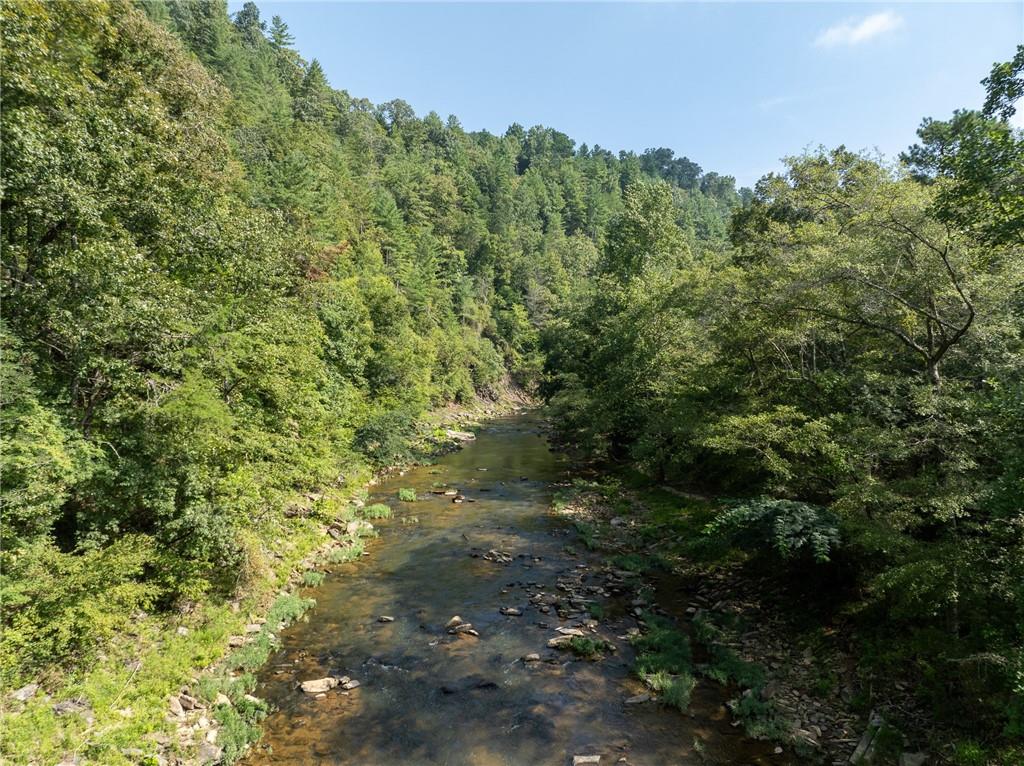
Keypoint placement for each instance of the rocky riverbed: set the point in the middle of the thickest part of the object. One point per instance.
(483, 632)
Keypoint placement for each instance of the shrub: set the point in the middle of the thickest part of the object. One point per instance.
(662, 648)
(588, 533)
(311, 579)
(375, 511)
(674, 690)
(385, 437)
(588, 648)
(59, 607)
(788, 527)
(348, 553)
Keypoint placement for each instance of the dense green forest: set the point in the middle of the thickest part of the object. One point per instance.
(226, 284)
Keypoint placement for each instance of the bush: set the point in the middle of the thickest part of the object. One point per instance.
(385, 437)
(662, 648)
(311, 579)
(792, 529)
(60, 607)
(674, 690)
(588, 648)
(375, 511)
(348, 553)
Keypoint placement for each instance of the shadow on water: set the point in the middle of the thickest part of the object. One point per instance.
(427, 697)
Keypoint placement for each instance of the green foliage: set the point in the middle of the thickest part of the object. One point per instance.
(385, 437)
(673, 689)
(587, 533)
(236, 731)
(850, 362)
(662, 649)
(312, 579)
(378, 510)
(349, 552)
(792, 529)
(227, 284)
(407, 495)
(61, 606)
(587, 648)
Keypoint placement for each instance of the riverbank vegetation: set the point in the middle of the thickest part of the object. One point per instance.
(846, 364)
(231, 291)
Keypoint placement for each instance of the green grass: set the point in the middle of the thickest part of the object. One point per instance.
(588, 648)
(312, 578)
(141, 668)
(347, 553)
(673, 690)
(641, 564)
(407, 495)
(376, 511)
(664, 662)
(588, 534)
(596, 611)
(662, 648)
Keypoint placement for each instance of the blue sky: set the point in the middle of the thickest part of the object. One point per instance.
(733, 86)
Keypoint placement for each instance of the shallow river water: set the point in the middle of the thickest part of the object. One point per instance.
(427, 697)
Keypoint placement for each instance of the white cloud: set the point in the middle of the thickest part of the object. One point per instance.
(856, 31)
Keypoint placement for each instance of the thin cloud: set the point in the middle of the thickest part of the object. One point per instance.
(767, 104)
(856, 31)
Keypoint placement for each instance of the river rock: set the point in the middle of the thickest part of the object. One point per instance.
(358, 527)
(25, 693)
(638, 698)
(456, 620)
(74, 707)
(189, 702)
(511, 611)
(222, 699)
(460, 436)
(532, 657)
(583, 760)
(321, 685)
(385, 618)
(175, 707)
(349, 685)
(209, 753)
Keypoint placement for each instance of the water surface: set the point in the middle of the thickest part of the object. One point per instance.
(427, 697)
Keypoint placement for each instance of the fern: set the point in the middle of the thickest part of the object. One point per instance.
(790, 527)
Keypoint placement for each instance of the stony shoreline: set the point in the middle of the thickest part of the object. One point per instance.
(819, 724)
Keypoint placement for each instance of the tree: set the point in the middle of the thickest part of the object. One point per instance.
(982, 158)
(645, 235)
(280, 37)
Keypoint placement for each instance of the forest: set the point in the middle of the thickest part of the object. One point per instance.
(227, 284)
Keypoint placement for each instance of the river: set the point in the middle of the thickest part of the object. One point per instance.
(429, 697)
